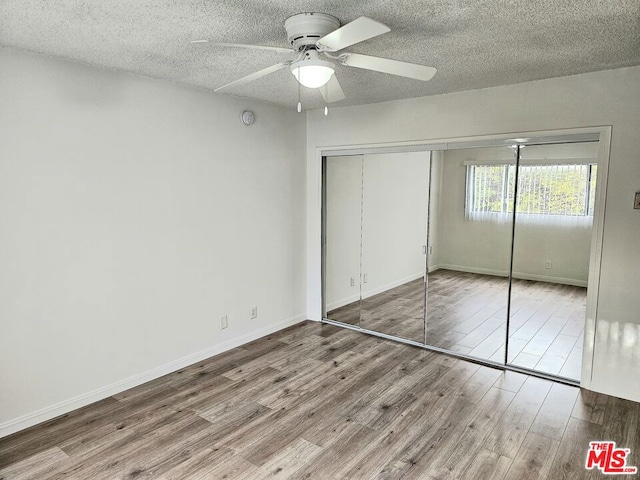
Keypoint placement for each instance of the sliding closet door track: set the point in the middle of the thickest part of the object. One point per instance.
(468, 358)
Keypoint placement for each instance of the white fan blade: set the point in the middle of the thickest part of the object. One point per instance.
(359, 30)
(385, 65)
(254, 76)
(332, 91)
(242, 45)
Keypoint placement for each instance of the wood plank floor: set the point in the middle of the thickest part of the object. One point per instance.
(321, 402)
(467, 314)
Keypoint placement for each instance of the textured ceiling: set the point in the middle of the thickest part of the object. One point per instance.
(473, 44)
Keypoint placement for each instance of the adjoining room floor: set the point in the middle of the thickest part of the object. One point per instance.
(467, 314)
(321, 402)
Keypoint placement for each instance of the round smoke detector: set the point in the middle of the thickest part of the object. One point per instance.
(307, 28)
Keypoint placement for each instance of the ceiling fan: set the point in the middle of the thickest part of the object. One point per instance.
(314, 39)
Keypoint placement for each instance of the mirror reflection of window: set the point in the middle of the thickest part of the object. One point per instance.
(559, 193)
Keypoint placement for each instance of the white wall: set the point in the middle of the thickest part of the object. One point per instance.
(481, 247)
(602, 98)
(376, 223)
(343, 230)
(394, 219)
(485, 246)
(134, 214)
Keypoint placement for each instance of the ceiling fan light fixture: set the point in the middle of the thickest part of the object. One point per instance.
(312, 73)
(313, 37)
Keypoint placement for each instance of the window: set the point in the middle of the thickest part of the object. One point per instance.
(544, 191)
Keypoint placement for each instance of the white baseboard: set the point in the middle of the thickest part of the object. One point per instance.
(544, 278)
(467, 269)
(519, 275)
(374, 291)
(389, 286)
(66, 406)
(342, 302)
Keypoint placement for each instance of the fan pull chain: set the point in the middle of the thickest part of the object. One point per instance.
(326, 97)
(299, 102)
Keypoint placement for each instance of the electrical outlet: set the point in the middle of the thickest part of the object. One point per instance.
(636, 204)
(352, 281)
(254, 312)
(365, 278)
(547, 264)
(224, 322)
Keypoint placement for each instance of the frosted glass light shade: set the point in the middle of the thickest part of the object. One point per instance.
(312, 74)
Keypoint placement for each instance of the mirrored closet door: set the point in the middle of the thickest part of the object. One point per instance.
(552, 246)
(470, 229)
(342, 237)
(395, 199)
(479, 251)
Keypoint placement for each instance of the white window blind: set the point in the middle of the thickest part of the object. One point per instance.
(558, 193)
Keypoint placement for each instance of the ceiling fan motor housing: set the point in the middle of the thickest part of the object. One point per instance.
(305, 29)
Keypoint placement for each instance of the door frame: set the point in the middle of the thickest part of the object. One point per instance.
(315, 258)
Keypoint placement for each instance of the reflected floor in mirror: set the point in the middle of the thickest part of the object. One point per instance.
(349, 313)
(546, 327)
(547, 324)
(398, 312)
(467, 315)
(403, 304)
